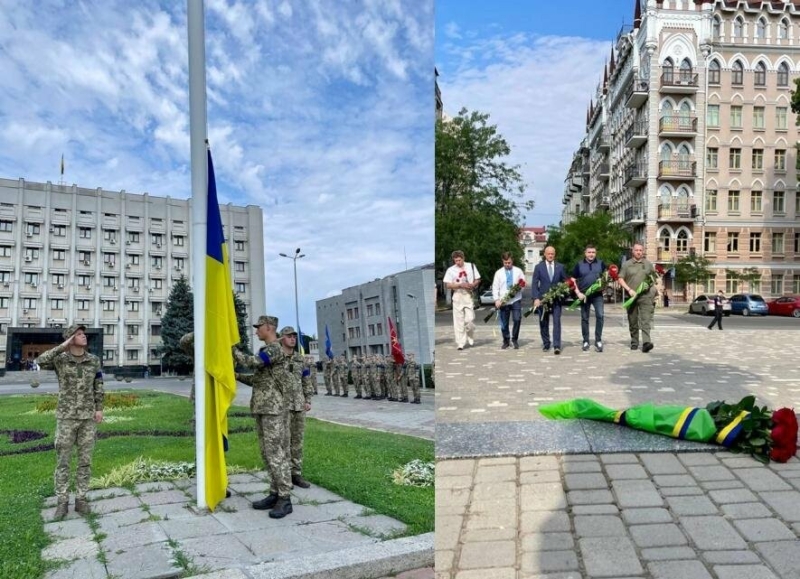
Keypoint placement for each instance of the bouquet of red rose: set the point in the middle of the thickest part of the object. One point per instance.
(611, 274)
(645, 286)
(512, 291)
(555, 294)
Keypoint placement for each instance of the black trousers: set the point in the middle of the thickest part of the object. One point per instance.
(717, 319)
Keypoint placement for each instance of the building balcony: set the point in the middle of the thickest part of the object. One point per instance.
(670, 255)
(604, 143)
(635, 175)
(604, 171)
(634, 215)
(636, 135)
(680, 170)
(637, 94)
(604, 201)
(677, 126)
(678, 82)
(677, 210)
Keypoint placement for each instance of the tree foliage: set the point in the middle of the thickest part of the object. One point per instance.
(749, 275)
(178, 320)
(478, 193)
(611, 239)
(693, 268)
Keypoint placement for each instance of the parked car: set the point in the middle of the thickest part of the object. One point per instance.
(487, 299)
(704, 304)
(747, 304)
(785, 306)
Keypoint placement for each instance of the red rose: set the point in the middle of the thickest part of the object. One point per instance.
(660, 269)
(521, 283)
(784, 435)
(613, 271)
(571, 283)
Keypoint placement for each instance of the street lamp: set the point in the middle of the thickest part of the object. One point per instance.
(419, 340)
(297, 255)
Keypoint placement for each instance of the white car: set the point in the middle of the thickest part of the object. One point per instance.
(705, 305)
(487, 299)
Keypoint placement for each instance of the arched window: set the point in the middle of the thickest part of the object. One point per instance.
(783, 74)
(686, 71)
(664, 239)
(783, 30)
(667, 70)
(666, 152)
(682, 242)
(761, 75)
(665, 195)
(761, 28)
(738, 25)
(715, 28)
(713, 72)
(737, 76)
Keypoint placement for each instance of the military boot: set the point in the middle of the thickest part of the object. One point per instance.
(299, 481)
(266, 503)
(417, 401)
(282, 508)
(82, 507)
(61, 511)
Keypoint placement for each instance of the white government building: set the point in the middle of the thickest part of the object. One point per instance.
(107, 259)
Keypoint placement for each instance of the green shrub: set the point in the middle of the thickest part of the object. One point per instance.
(116, 400)
(47, 403)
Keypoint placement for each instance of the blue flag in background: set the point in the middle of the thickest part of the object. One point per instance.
(328, 350)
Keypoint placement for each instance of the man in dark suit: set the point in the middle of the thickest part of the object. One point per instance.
(547, 274)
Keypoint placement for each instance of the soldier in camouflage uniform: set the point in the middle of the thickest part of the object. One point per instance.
(271, 392)
(369, 377)
(391, 379)
(358, 382)
(402, 381)
(344, 378)
(299, 403)
(312, 372)
(380, 371)
(335, 371)
(79, 409)
(327, 376)
(412, 372)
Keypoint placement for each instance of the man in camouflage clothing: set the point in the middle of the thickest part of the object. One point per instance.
(344, 378)
(391, 379)
(412, 372)
(402, 381)
(335, 380)
(79, 409)
(369, 378)
(380, 375)
(327, 376)
(312, 372)
(358, 381)
(271, 393)
(299, 401)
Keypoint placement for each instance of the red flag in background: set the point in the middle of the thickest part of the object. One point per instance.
(397, 349)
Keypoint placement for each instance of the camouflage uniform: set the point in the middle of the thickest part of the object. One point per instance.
(380, 376)
(80, 395)
(366, 373)
(358, 381)
(335, 381)
(402, 382)
(344, 369)
(327, 376)
(299, 394)
(391, 379)
(413, 379)
(312, 373)
(271, 392)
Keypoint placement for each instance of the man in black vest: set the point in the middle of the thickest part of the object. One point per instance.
(586, 272)
(718, 300)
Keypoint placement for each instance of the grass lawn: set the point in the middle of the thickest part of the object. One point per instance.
(352, 462)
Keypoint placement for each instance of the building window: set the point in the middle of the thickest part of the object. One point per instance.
(32, 229)
(778, 202)
(109, 329)
(737, 28)
(178, 240)
(133, 237)
(59, 255)
(158, 283)
(710, 242)
(776, 284)
(241, 288)
(780, 160)
(797, 205)
(133, 282)
(32, 253)
(133, 306)
(733, 243)
(3, 303)
(31, 278)
(736, 117)
(377, 309)
(379, 329)
(238, 245)
(761, 28)
(133, 355)
(783, 31)
(57, 304)
(109, 235)
(758, 118)
(5, 276)
(109, 281)
(783, 75)
(84, 233)
(58, 279)
(156, 308)
(711, 200)
(735, 159)
(108, 305)
(83, 305)
(5, 251)
(731, 285)
(755, 243)
(737, 76)
(178, 262)
(239, 266)
(6, 225)
(110, 258)
(755, 201)
(760, 75)
(157, 239)
(156, 262)
(733, 201)
(781, 118)
(796, 284)
(83, 280)
(85, 256)
(108, 355)
(371, 330)
(59, 231)
(714, 70)
(758, 159)
(370, 310)
(777, 242)
(133, 330)
(133, 259)
(712, 116)
(712, 158)
(155, 330)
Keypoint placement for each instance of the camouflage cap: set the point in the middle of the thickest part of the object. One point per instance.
(70, 331)
(288, 331)
(271, 320)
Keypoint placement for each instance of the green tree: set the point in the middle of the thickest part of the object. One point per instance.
(749, 275)
(244, 326)
(610, 239)
(478, 193)
(178, 320)
(693, 269)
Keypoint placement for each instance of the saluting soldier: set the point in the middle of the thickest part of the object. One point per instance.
(412, 372)
(78, 411)
(299, 403)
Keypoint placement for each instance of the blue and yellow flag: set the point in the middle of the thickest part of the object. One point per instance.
(222, 333)
(328, 348)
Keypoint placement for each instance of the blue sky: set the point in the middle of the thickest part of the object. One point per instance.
(533, 66)
(319, 112)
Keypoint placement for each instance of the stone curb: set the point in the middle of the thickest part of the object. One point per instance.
(363, 562)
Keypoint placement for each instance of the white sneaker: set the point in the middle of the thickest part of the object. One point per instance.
(586, 346)
(470, 342)
(598, 346)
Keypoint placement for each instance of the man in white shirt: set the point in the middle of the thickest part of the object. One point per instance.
(462, 278)
(504, 279)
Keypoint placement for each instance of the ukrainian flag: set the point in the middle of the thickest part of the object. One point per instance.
(222, 333)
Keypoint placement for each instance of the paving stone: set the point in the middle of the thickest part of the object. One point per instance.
(179, 529)
(698, 459)
(497, 460)
(715, 485)
(691, 506)
(164, 498)
(448, 532)
(711, 473)
(544, 522)
(675, 569)
(68, 529)
(143, 562)
(105, 506)
(79, 569)
(547, 542)
(783, 557)
(495, 518)
(379, 526)
(443, 560)
(646, 516)
(453, 482)
(710, 533)
(585, 481)
(730, 557)
(582, 467)
(499, 473)
(589, 497)
(762, 479)
(539, 476)
(674, 480)
(668, 554)
(153, 486)
(493, 534)
(745, 511)
(626, 471)
(636, 493)
(507, 573)
(609, 557)
(73, 548)
(109, 493)
(732, 496)
(786, 504)
(217, 552)
(494, 490)
(598, 526)
(741, 462)
(744, 572)
(451, 500)
(134, 536)
(758, 530)
(542, 497)
(661, 535)
(488, 555)
(595, 510)
(660, 463)
(489, 505)
(538, 463)
(682, 491)
(620, 458)
(548, 561)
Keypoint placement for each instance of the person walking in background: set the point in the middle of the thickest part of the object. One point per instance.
(547, 274)
(586, 272)
(511, 310)
(640, 315)
(718, 300)
(462, 278)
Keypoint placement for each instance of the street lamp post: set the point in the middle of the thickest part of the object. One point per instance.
(297, 255)
(419, 340)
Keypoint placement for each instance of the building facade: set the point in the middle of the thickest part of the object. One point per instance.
(533, 241)
(106, 259)
(357, 319)
(690, 140)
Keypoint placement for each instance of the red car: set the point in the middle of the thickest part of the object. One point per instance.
(785, 306)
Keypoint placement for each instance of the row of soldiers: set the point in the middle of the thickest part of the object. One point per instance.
(375, 377)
